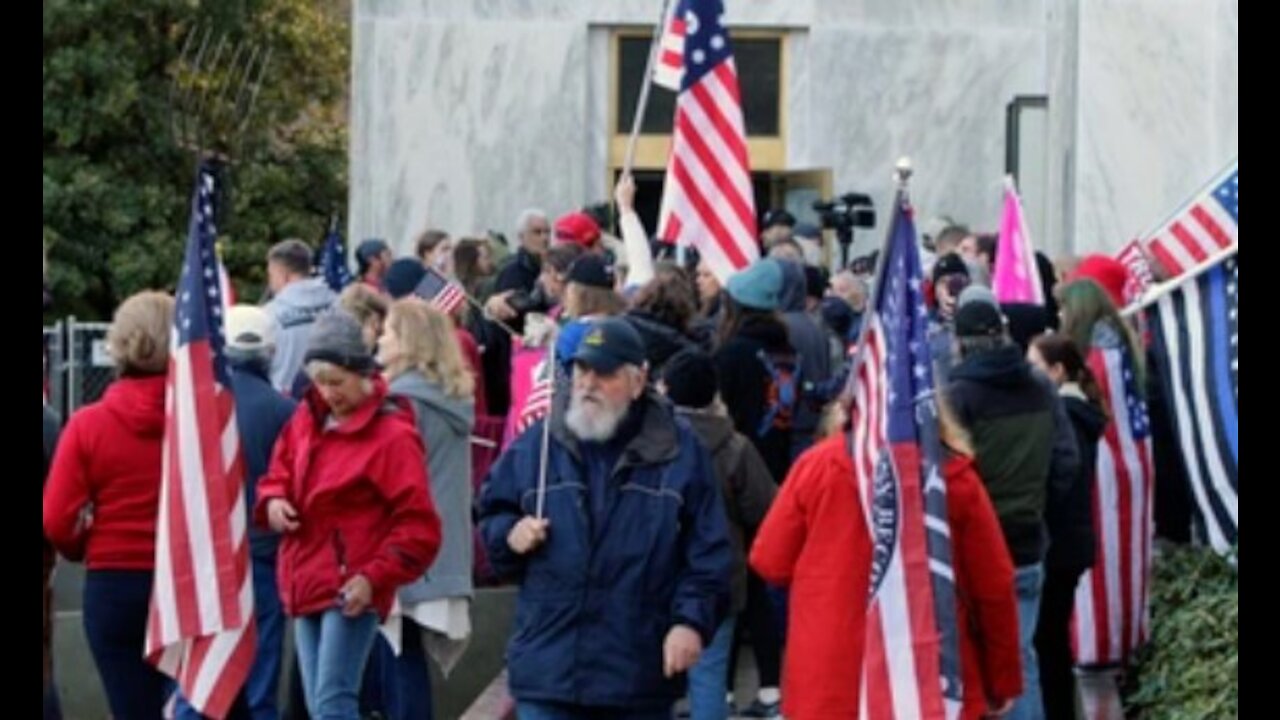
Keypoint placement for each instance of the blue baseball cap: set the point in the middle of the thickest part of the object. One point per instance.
(609, 344)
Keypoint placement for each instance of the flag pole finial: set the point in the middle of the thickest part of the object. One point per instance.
(902, 171)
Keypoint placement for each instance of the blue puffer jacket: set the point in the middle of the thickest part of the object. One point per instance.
(596, 603)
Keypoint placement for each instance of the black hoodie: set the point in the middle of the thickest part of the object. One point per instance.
(1022, 442)
(745, 386)
(1070, 517)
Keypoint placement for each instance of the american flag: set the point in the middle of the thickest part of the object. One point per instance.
(1140, 277)
(1111, 612)
(912, 662)
(1205, 226)
(441, 292)
(707, 198)
(333, 260)
(1196, 330)
(200, 629)
(224, 284)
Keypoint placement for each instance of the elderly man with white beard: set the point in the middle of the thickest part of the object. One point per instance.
(625, 577)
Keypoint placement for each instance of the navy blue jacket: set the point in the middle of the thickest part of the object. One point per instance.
(261, 412)
(596, 603)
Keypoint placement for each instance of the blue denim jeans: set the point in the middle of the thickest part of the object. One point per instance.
(539, 710)
(1028, 582)
(708, 679)
(332, 650)
(116, 603)
(261, 688)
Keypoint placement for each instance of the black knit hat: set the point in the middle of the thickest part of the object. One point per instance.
(690, 377)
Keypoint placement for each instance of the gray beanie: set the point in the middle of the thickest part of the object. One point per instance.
(336, 338)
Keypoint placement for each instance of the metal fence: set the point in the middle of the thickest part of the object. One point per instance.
(77, 367)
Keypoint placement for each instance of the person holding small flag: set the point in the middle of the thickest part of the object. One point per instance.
(609, 515)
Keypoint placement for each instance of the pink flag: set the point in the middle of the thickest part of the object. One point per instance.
(1016, 279)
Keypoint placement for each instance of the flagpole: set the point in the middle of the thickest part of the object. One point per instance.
(643, 101)
(1157, 292)
(541, 495)
(902, 174)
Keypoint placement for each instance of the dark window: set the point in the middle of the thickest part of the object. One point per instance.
(759, 77)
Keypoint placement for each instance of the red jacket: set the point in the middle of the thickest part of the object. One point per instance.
(104, 487)
(815, 539)
(360, 490)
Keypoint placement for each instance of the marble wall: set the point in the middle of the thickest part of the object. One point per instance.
(1158, 110)
(463, 113)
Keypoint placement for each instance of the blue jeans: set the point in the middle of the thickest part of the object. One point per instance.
(116, 603)
(332, 650)
(261, 687)
(1028, 582)
(709, 679)
(398, 688)
(540, 710)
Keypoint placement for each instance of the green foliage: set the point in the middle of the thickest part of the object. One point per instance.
(116, 183)
(1191, 668)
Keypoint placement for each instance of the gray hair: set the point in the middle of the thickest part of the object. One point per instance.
(319, 369)
(526, 216)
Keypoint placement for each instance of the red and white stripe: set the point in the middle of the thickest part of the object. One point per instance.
(201, 629)
(1111, 605)
(224, 285)
(450, 298)
(708, 201)
(1194, 235)
(669, 69)
(900, 663)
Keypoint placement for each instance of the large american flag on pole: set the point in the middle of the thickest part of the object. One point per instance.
(1196, 330)
(201, 629)
(707, 198)
(1202, 228)
(1111, 612)
(911, 667)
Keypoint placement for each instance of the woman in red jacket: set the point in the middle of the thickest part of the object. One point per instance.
(101, 500)
(348, 488)
(816, 541)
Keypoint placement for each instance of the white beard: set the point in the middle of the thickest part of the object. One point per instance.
(594, 421)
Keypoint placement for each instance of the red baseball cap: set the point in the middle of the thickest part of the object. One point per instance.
(1108, 272)
(578, 228)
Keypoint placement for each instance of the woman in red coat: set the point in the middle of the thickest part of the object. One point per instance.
(348, 488)
(815, 540)
(101, 500)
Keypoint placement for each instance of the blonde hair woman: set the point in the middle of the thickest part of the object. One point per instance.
(420, 354)
(101, 500)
